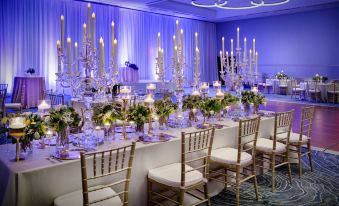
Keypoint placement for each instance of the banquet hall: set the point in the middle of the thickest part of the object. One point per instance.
(169, 102)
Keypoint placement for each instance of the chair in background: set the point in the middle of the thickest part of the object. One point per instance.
(274, 148)
(297, 90)
(313, 91)
(185, 177)
(283, 86)
(266, 86)
(3, 93)
(238, 160)
(12, 106)
(333, 92)
(3, 86)
(113, 163)
(56, 99)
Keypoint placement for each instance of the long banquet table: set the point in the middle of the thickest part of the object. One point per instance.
(39, 180)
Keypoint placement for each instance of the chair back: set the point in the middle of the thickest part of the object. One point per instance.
(282, 124)
(3, 86)
(56, 99)
(312, 85)
(248, 132)
(307, 115)
(3, 93)
(283, 82)
(114, 165)
(195, 151)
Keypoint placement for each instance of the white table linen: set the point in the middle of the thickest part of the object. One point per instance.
(38, 181)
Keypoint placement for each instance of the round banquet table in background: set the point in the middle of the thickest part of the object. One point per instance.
(276, 82)
(28, 91)
(128, 74)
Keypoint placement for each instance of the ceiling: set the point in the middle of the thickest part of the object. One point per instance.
(183, 8)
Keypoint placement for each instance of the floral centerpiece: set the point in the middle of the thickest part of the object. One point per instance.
(318, 78)
(30, 71)
(140, 114)
(281, 75)
(106, 114)
(61, 120)
(250, 98)
(209, 106)
(34, 130)
(191, 103)
(163, 108)
(229, 100)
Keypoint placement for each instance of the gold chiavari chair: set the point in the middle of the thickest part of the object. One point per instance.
(3, 86)
(56, 99)
(298, 140)
(241, 161)
(274, 148)
(333, 92)
(114, 165)
(296, 90)
(186, 177)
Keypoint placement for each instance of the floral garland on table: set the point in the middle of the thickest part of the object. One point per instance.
(34, 130)
(319, 78)
(164, 107)
(209, 106)
(281, 75)
(139, 114)
(107, 114)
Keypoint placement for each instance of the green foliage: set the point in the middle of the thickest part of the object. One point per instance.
(229, 100)
(191, 102)
(139, 114)
(63, 117)
(164, 107)
(318, 78)
(281, 75)
(209, 104)
(249, 97)
(107, 113)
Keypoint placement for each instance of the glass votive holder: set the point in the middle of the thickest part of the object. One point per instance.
(150, 89)
(204, 87)
(125, 92)
(216, 85)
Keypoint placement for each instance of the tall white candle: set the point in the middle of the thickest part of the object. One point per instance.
(245, 49)
(101, 67)
(221, 62)
(84, 36)
(176, 56)
(253, 47)
(238, 38)
(76, 58)
(196, 60)
(231, 45)
(115, 42)
(177, 28)
(112, 38)
(93, 31)
(223, 45)
(62, 18)
(227, 60)
(250, 63)
(69, 55)
(182, 42)
(158, 41)
(256, 63)
(59, 59)
(196, 39)
(174, 41)
(232, 62)
(88, 19)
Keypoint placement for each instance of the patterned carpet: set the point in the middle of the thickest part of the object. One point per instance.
(318, 188)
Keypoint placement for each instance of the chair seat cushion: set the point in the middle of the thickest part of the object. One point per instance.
(171, 175)
(266, 145)
(229, 156)
(13, 105)
(294, 137)
(75, 198)
(282, 85)
(298, 89)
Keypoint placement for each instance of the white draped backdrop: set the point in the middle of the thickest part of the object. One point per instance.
(29, 30)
